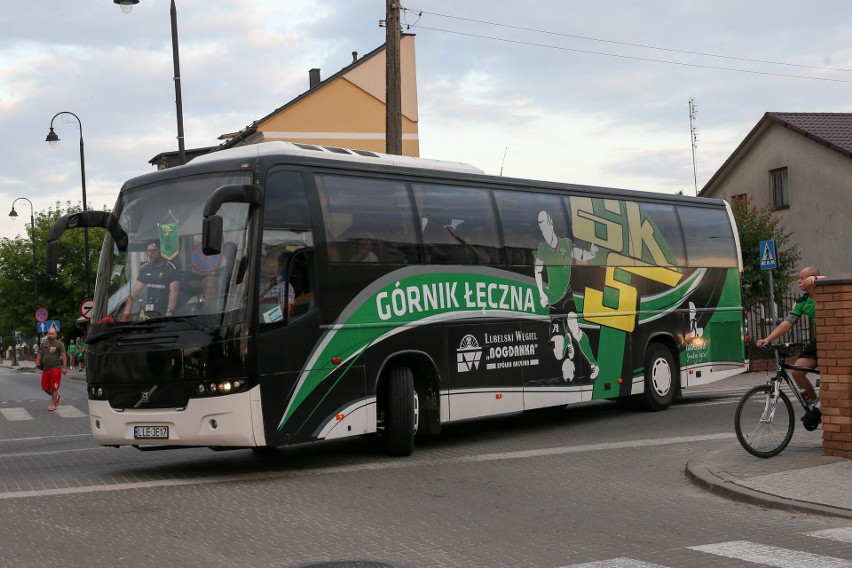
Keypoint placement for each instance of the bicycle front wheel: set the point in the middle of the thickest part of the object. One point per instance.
(764, 422)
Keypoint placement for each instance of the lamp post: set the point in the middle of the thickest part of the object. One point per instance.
(53, 140)
(126, 7)
(13, 214)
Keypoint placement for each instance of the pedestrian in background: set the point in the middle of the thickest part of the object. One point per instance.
(81, 354)
(72, 354)
(53, 362)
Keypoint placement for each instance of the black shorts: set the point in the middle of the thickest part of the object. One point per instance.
(559, 315)
(810, 351)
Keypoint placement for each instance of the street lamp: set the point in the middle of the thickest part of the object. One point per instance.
(53, 140)
(13, 214)
(126, 7)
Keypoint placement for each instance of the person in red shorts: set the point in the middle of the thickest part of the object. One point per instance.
(53, 362)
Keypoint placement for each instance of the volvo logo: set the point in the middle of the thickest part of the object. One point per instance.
(146, 397)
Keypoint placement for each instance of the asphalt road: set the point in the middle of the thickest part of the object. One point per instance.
(592, 485)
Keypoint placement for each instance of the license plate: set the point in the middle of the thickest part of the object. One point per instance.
(151, 432)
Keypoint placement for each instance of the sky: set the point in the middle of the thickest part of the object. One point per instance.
(583, 92)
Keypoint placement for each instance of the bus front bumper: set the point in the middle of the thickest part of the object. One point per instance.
(230, 420)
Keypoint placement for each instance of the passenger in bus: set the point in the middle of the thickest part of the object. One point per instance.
(362, 243)
(208, 301)
(557, 256)
(161, 281)
(274, 290)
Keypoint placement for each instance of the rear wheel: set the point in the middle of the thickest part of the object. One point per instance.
(764, 422)
(401, 413)
(661, 381)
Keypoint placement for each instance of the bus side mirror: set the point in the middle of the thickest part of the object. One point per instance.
(212, 225)
(103, 219)
(52, 257)
(212, 230)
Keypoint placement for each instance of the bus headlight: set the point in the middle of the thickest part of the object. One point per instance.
(220, 387)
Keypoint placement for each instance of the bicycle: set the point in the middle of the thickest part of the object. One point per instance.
(764, 419)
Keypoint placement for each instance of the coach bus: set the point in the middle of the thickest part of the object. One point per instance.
(418, 293)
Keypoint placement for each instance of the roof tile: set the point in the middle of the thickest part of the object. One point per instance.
(835, 129)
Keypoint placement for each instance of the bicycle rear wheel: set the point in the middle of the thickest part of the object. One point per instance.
(764, 423)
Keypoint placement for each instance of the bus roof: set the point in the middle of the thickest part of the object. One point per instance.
(344, 154)
(363, 159)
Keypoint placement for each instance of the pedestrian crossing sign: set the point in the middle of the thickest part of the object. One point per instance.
(768, 258)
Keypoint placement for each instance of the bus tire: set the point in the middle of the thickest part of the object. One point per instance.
(661, 381)
(400, 413)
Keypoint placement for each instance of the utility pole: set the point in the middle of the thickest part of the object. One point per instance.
(393, 84)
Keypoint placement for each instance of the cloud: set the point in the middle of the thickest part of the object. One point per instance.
(615, 118)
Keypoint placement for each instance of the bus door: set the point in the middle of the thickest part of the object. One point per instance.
(288, 317)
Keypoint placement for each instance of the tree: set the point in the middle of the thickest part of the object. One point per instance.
(60, 295)
(754, 225)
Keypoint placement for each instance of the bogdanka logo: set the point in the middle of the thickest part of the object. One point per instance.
(468, 354)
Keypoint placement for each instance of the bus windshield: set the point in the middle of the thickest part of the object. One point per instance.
(164, 273)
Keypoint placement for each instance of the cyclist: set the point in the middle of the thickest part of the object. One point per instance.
(805, 304)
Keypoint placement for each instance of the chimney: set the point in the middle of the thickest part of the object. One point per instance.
(354, 56)
(314, 75)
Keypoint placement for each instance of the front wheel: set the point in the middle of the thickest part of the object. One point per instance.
(764, 422)
(402, 413)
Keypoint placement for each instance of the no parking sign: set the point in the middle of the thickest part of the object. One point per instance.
(203, 264)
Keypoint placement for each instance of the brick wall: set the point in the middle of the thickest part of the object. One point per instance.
(834, 336)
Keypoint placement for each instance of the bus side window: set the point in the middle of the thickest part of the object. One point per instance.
(367, 220)
(519, 219)
(459, 224)
(708, 237)
(288, 238)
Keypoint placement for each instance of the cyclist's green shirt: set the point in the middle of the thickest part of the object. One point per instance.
(558, 263)
(805, 305)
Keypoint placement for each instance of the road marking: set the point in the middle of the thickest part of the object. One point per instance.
(69, 412)
(561, 450)
(15, 414)
(771, 555)
(616, 563)
(843, 534)
(694, 404)
(32, 438)
(357, 468)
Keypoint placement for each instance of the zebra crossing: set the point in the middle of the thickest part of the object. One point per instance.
(754, 553)
(20, 414)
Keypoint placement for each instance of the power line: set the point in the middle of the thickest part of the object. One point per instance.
(635, 58)
(614, 42)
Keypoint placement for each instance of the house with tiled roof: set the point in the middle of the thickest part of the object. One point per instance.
(799, 165)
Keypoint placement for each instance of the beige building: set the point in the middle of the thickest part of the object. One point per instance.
(800, 165)
(346, 109)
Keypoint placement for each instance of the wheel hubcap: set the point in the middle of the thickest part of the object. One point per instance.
(662, 377)
(416, 411)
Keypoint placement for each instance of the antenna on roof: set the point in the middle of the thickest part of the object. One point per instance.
(693, 112)
(504, 160)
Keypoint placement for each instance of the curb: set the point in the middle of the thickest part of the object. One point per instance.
(700, 471)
